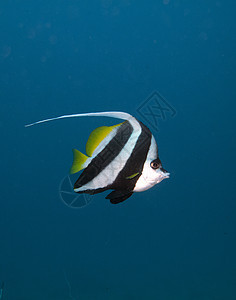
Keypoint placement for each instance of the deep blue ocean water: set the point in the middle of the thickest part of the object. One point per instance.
(174, 241)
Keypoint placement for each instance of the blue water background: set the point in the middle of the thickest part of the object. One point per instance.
(175, 241)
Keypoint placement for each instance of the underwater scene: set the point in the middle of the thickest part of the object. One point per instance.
(118, 147)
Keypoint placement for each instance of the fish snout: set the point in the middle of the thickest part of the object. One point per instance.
(164, 173)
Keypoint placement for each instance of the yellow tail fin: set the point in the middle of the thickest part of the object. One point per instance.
(78, 162)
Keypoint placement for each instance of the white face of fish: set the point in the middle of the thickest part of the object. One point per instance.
(153, 172)
(161, 174)
(150, 177)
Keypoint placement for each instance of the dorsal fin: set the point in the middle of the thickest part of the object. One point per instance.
(112, 114)
(97, 136)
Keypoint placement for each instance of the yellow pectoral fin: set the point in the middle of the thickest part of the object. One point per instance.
(78, 162)
(97, 136)
(132, 176)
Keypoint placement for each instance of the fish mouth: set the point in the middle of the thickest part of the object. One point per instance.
(165, 175)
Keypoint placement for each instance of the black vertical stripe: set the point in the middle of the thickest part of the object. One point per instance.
(135, 162)
(106, 156)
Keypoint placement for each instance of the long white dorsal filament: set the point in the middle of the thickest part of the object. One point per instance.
(112, 114)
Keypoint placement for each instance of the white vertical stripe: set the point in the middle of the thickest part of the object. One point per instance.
(145, 181)
(108, 175)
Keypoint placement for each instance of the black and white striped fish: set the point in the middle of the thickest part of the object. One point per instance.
(123, 158)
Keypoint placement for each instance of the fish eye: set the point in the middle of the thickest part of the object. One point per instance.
(155, 164)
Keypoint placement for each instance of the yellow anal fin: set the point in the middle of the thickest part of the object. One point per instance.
(97, 136)
(132, 176)
(78, 162)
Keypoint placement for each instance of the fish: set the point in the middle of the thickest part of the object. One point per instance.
(123, 158)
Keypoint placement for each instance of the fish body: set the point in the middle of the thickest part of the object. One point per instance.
(123, 158)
